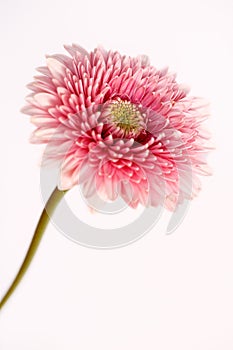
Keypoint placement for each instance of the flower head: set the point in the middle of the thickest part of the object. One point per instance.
(120, 127)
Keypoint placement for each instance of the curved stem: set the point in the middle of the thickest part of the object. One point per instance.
(49, 208)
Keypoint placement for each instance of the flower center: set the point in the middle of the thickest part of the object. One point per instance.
(125, 117)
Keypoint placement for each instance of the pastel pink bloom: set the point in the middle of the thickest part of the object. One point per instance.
(119, 126)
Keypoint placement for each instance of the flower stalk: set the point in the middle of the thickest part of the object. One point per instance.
(48, 210)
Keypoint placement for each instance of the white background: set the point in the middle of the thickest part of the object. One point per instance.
(163, 292)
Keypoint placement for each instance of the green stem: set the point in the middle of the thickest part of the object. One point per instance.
(50, 206)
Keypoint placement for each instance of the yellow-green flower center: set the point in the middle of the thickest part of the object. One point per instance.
(126, 116)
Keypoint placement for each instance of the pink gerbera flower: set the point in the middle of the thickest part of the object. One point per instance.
(120, 127)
